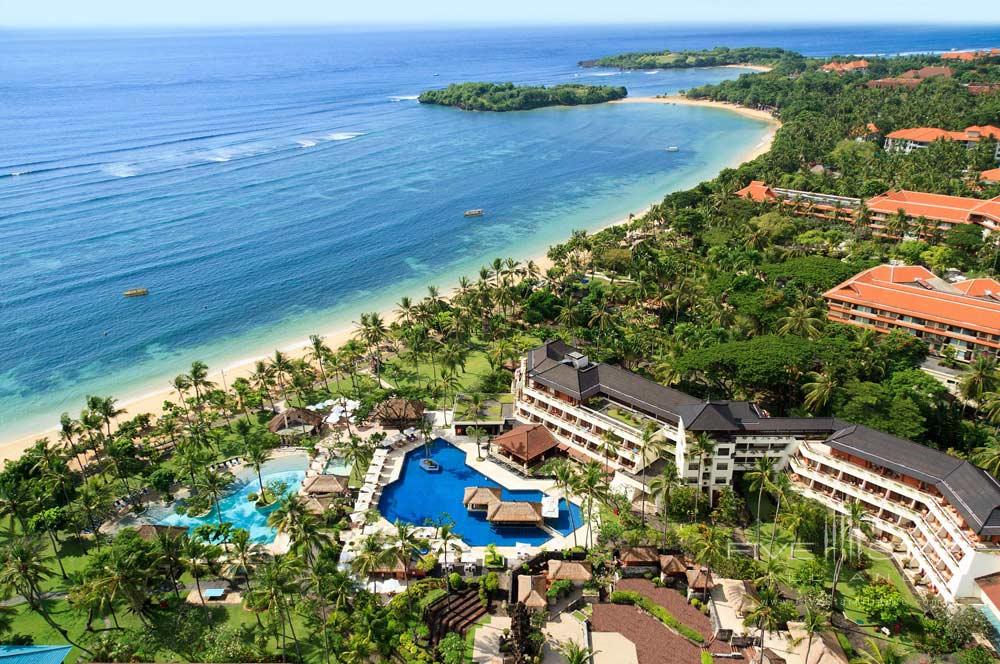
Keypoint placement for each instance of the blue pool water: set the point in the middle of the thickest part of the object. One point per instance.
(420, 498)
(235, 507)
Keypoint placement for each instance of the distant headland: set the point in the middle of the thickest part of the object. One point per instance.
(502, 97)
(715, 57)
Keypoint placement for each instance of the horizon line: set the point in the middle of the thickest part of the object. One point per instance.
(408, 25)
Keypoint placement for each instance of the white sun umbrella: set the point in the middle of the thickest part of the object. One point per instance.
(522, 549)
(470, 556)
(388, 586)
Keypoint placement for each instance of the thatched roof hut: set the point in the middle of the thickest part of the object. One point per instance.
(398, 413)
(700, 579)
(579, 571)
(531, 591)
(515, 513)
(296, 421)
(324, 485)
(639, 556)
(825, 647)
(318, 505)
(480, 498)
(672, 565)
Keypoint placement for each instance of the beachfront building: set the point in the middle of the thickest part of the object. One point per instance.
(918, 138)
(892, 214)
(856, 66)
(938, 515)
(804, 203)
(970, 56)
(964, 315)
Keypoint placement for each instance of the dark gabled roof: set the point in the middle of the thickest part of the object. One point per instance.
(973, 492)
(548, 364)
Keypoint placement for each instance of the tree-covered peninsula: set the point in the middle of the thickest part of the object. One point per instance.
(716, 57)
(510, 97)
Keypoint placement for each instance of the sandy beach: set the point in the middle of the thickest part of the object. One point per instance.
(153, 402)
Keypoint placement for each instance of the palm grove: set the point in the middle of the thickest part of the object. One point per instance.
(718, 296)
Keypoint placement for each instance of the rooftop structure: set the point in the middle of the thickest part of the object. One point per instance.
(324, 484)
(970, 56)
(846, 67)
(570, 570)
(991, 176)
(515, 513)
(481, 498)
(531, 591)
(804, 203)
(912, 78)
(943, 212)
(965, 316)
(33, 654)
(526, 444)
(295, 422)
(908, 140)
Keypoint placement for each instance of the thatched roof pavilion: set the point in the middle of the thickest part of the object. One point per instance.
(639, 556)
(149, 532)
(672, 565)
(324, 484)
(531, 591)
(515, 513)
(398, 413)
(480, 498)
(579, 571)
(318, 504)
(700, 579)
(296, 421)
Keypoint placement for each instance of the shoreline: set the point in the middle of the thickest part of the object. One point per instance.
(152, 402)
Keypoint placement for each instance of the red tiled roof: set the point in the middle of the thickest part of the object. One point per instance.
(978, 287)
(841, 67)
(930, 134)
(896, 289)
(928, 72)
(990, 585)
(965, 56)
(937, 207)
(992, 175)
(527, 441)
(757, 191)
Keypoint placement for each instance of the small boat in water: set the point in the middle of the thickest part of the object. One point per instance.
(136, 292)
(475, 212)
(673, 148)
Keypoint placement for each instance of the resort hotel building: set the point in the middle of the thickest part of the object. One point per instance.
(964, 315)
(938, 516)
(917, 138)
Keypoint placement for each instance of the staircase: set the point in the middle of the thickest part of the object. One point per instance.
(464, 610)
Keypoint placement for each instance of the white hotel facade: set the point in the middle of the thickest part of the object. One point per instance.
(938, 516)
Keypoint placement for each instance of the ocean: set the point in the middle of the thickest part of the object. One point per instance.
(265, 186)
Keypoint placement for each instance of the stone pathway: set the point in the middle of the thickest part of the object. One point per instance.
(486, 643)
(563, 628)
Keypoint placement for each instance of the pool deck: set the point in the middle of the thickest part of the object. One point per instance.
(393, 468)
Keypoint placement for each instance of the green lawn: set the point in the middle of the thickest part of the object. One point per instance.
(490, 411)
(624, 416)
(470, 637)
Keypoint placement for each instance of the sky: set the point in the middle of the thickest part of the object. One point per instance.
(171, 13)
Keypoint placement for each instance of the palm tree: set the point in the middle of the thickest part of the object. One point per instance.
(771, 574)
(979, 379)
(765, 615)
(406, 544)
(802, 320)
(215, 483)
(609, 445)
(565, 481)
(781, 487)
(281, 368)
(318, 352)
(574, 653)
(307, 538)
(256, 455)
(448, 542)
(289, 513)
(169, 549)
(707, 547)
(23, 569)
(760, 479)
(661, 488)
(813, 623)
(988, 458)
(592, 484)
(819, 391)
(702, 446)
(855, 519)
(194, 554)
(880, 654)
(246, 554)
(199, 380)
(651, 445)
(371, 556)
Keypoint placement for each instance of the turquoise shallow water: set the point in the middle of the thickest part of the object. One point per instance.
(235, 507)
(268, 186)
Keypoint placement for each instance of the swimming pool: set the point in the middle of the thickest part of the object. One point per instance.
(420, 497)
(338, 466)
(235, 507)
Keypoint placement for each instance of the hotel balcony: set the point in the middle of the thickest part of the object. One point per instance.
(929, 566)
(920, 501)
(876, 504)
(576, 437)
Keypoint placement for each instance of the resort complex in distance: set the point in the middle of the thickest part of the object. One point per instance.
(758, 422)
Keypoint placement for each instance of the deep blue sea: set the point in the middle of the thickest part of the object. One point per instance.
(265, 186)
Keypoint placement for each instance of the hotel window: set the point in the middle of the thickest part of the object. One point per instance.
(722, 466)
(692, 466)
(722, 451)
